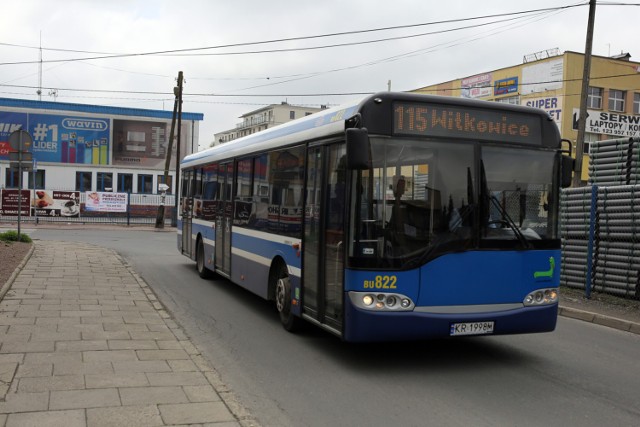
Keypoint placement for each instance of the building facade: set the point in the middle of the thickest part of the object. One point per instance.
(554, 85)
(264, 118)
(92, 148)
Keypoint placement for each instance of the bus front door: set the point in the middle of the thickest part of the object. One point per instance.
(324, 236)
(224, 219)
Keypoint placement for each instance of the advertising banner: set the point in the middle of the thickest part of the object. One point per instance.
(9, 122)
(477, 86)
(56, 203)
(550, 104)
(106, 202)
(10, 201)
(542, 76)
(138, 143)
(506, 86)
(60, 139)
(613, 124)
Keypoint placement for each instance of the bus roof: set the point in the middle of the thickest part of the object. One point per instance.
(333, 121)
(316, 125)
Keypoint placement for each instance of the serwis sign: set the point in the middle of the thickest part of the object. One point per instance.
(614, 124)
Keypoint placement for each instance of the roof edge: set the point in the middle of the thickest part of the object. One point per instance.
(95, 109)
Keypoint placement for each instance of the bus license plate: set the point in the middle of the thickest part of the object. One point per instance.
(471, 328)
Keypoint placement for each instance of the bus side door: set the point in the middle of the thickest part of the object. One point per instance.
(324, 237)
(186, 210)
(224, 219)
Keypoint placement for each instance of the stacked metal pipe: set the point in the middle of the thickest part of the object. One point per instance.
(614, 162)
(608, 219)
(575, 211)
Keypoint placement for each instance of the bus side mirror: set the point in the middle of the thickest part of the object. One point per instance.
(567, 171)
(358, 149)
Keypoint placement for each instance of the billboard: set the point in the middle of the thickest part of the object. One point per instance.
(477, 86)
(56, 203)
(612, 124)
(59, 138)
(14, 201)
(505, 86)
(144, 143)
(106, 202)
(542, 76)
(551, 104)
(71, 139)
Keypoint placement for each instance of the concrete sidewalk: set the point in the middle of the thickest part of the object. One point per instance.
(85, 342)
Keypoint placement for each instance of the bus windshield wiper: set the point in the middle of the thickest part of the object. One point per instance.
(507, 219)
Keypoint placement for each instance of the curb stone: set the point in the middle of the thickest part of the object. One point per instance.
(600, 319)
(12, 278)
(213, 377)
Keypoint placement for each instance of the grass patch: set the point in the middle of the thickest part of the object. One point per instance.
(12, 236)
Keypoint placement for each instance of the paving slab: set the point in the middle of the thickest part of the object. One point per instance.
(85, 342)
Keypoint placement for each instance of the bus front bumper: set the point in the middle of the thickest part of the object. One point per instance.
(371, 326)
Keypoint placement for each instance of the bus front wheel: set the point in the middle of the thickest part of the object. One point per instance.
(283, 299)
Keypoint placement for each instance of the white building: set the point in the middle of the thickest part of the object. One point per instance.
(264, 118)
(93, 148)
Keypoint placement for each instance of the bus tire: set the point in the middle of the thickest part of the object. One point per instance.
(203, 271)
(283, 298)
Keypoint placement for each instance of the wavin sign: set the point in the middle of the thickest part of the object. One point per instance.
(84, 124)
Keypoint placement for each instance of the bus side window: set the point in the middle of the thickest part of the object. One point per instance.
(260, 219)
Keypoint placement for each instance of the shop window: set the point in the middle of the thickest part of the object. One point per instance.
(83, 181)
(145, 184)
(125, 182)
(104, 181)
(39, 179)
(12, 178)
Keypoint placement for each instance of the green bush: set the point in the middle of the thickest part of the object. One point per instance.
(12, 236)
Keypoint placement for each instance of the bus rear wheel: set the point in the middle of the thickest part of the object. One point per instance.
(283, 298)
(203, 271)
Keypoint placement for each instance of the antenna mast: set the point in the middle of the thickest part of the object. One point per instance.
(39, 92)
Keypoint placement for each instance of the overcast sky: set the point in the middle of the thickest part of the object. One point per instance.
(418, 55)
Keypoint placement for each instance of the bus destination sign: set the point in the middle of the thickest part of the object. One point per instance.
(457, 122)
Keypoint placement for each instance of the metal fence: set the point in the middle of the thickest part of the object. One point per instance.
(142, 209)
(600, 225)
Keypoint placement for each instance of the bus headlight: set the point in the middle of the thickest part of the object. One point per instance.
(381, 302)
(541, 297)
(367, 300)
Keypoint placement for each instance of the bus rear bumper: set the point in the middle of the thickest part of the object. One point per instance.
(370, 326)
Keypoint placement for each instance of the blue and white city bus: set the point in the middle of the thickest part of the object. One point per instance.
(400, 217)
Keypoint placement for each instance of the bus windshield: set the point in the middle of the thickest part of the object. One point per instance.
(424, 198)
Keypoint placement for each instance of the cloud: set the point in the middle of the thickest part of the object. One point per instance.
(142, 26)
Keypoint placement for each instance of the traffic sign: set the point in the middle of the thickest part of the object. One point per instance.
(25, 166)
(16, 156)
(20, 140)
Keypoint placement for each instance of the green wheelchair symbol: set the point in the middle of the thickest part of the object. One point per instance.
(548, 273)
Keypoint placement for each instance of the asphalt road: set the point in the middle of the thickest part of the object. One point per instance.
(580, 375)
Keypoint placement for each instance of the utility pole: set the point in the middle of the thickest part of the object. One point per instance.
(174, 218)
(584, 94)
(167, 163)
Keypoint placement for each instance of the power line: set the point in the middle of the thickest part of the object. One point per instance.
(176, 51)
(293, 95)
